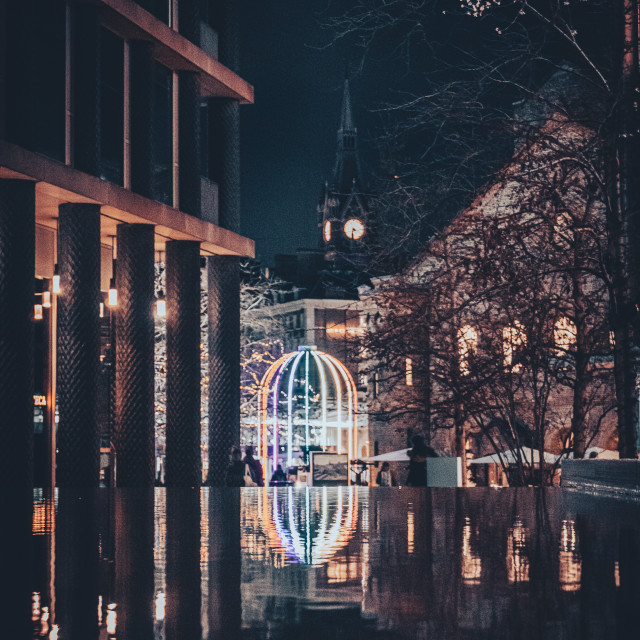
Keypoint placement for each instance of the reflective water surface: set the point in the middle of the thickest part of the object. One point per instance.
(321, 563)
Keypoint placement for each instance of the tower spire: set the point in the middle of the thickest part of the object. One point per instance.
(346, 173)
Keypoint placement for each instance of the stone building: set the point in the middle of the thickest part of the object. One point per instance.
(497, 335)
(118, 145)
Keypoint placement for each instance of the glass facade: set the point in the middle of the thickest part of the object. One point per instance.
(162, 134)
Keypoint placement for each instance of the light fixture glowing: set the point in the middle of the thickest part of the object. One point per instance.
(56, 279)
(160, 602)
(111, 618)
(113, 293)
(46, 299)
(37, 312)
(161, 305)
(102, 309)
(326, 231)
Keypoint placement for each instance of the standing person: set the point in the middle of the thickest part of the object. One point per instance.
(234, 476)
(255, 468)
(386, 477)
(278, 476)
(418, 462)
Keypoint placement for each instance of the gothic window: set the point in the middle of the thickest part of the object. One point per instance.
(564, 335)
(513, 339)
(467, 345)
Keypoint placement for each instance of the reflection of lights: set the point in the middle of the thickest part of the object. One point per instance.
(44, 621)
(471, 562)
(517, 560)
(310, 548)
(54, 632)
(99, 610)
(35, 606)
(410, 529)
(570, 562)
(616, 573)
(160, 602)
(111, 618)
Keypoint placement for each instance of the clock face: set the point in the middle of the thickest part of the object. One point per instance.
(326, 231)
(354, 229)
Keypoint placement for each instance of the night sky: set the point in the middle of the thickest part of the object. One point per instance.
(289, 134)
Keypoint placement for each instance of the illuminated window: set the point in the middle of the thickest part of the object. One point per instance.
(564, 335)
(326, 231)
(513, 337)
(408, 372)
(467, 344)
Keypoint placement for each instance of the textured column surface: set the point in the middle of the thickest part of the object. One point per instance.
(78, 344)
(183, 461)
(189, 142)
(141, 101)
(227, 124)
(223, 275)
(17, 248)
(86, 78)
(135, 450)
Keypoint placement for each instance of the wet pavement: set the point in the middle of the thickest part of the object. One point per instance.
(345, 562)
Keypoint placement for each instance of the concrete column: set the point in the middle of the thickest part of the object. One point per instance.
(226, 119)
(183, 463)
(189, 142)
(86, 88)
(140, 104)
(223, 275)
(17, 249)
(78, 344)
(135, 446)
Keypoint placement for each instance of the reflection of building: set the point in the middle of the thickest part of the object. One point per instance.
(118, 139)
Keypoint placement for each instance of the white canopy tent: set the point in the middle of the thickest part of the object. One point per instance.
(526, 454)
(392, 456)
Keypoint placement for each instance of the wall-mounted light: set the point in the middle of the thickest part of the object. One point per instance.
(102, 309)
(161, 305)
(113, 292)
(37, 312)
(56, 279)
(46, 299)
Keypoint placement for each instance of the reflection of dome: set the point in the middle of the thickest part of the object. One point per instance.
(313, 529)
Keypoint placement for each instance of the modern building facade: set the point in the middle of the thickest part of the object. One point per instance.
(119, 144)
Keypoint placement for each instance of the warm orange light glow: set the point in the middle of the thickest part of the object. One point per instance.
(564, 335)
(113, 295)
(46, 299)
(326, 231)
(408, 372)
(161, 308)
(111, 618)
(467, 344)
(102, 309)
(513, 337)
(56, 280)
(354, 228)
(37, 312)
(40, 401)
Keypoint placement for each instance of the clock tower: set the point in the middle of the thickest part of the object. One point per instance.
(342, 209)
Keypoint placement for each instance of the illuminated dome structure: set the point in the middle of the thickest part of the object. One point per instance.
(336, 386)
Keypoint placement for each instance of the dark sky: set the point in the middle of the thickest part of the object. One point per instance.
(289, 134)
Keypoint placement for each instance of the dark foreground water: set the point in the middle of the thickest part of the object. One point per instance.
(348, 563)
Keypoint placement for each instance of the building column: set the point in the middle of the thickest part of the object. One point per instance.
(183, 462)
(135, 443)
(86, 74)
(78, 344)
(141, 123)
(223, 276)
(17, 259)
(189, 143)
